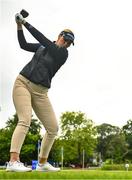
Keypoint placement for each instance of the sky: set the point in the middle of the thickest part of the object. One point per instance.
(97, 77)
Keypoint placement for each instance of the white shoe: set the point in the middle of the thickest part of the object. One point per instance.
(46, 167)
(17, 166)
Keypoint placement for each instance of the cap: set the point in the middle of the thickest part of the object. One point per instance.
(68, 35)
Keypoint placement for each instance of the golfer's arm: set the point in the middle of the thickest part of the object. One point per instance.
(32, 47)
(40, 37)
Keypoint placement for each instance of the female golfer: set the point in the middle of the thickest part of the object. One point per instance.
(30, 91)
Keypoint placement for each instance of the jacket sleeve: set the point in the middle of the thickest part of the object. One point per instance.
(32, 47)
(51, 46)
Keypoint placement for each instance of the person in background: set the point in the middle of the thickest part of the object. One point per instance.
(30, 91)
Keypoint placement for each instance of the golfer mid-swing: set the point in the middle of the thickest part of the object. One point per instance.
(30, 91)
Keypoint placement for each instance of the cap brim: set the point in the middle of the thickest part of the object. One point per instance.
(70, 39)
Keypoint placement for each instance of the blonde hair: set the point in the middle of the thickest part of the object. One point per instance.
(68, 30)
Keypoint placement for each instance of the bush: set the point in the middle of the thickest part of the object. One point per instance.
(115, 167)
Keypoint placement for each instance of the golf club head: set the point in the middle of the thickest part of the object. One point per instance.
(24, 13)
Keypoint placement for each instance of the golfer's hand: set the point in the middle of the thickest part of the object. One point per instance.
(19, 19)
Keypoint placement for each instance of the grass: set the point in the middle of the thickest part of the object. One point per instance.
(68, 174)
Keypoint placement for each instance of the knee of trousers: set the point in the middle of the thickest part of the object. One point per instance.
(24, 127)
(52, 133)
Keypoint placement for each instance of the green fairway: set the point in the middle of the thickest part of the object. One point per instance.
(68, 174)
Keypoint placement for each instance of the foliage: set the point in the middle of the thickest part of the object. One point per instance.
(116, 148)
(114, 167)
(5, 138)
(111, 142)
(127, 129)
(77, 134)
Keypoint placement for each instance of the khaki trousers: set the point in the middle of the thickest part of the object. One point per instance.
(27, 95)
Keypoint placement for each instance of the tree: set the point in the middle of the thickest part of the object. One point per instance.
(77, 134)
(104, 134)
(127, 129)
(116, 148)
(5, 137)
(29, 149)
(111, 142)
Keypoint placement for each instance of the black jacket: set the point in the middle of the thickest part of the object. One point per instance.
(48, 57)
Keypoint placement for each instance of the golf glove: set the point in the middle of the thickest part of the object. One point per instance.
(19, 18)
